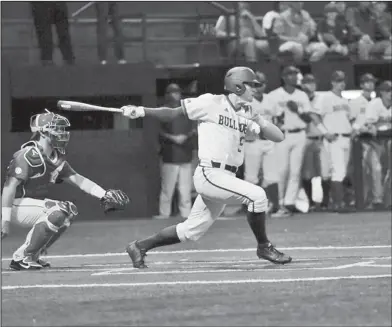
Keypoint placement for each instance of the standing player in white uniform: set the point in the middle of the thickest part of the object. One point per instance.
(333, 120)
(316, 158)
(379, 114)
(222, 127)
(259, 152)
(371, 149)
(290, 105)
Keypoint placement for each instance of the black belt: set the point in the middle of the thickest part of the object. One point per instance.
(232, 169)
(295, 130)
(343, 134)
(316, 137)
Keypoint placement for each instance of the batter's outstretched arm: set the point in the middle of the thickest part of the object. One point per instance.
(164, 114)
(7, 199)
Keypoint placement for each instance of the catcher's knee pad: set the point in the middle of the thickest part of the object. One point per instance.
(193, 229)
(259, 201)
(60, 213)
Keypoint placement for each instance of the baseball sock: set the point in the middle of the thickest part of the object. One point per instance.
(272, 192)
(166, 236)
(256, 222)
(56, 236)
(40, 235)
(326, 186)
(307, 185)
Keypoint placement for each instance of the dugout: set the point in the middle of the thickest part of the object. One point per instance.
(113, 151)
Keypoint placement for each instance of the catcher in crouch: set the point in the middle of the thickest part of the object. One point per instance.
(42, 161)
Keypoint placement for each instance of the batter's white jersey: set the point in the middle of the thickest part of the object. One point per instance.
(221, 132)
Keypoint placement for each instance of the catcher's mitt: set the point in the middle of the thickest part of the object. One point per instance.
(292, 106)
(114, 200)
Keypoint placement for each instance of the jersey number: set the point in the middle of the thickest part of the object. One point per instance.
(242, 139)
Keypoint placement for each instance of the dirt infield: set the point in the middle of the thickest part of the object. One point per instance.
(340, 275)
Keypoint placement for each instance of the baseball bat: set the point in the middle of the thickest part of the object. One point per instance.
(80, 106)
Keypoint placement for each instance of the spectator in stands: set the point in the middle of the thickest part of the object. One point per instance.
(271, 16)
(334, 31)
(340, 7)
(176, 151)
(370, 29)
(252, 37)
(294, 29)
(108, 10)
(382, 47)
(45, 14)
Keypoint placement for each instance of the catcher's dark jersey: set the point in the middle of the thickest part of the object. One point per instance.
(37, 171)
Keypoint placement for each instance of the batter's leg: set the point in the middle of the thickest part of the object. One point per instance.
(202, 216)
(219, 185)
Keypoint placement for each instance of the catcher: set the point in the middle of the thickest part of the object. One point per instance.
(42, 161)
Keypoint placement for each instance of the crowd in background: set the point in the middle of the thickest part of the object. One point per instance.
(362, 32)
(311, 175)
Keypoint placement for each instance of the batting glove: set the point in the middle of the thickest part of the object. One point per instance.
(133, 112)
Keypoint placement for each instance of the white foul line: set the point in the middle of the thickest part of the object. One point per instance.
(304, 248)
(195, 282)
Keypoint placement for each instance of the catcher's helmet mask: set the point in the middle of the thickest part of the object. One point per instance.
(53, 126)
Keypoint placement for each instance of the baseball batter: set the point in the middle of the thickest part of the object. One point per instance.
(316, 159)
(223, 121)
(260, 153)
(290, 105)
(42, 161)
(333, 120)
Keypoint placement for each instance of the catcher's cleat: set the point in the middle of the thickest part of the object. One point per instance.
(137, 255)
(25, 264)
(268, 252)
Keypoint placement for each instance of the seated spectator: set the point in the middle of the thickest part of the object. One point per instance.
(295, 28)
(271, 16)
(334, 31)
(382, 47)
(370, 28)
(251, 34)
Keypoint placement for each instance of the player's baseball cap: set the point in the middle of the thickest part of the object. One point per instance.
(338, 76)
(173, 88)
(308, 78)
(288, 70)
(367, 78)
(385, 86)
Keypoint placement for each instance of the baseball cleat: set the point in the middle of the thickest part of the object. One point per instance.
(43, 263)
(25, 265)
(268, 252)
(137, 255)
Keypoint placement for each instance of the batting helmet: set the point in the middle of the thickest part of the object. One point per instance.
(237, 77)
